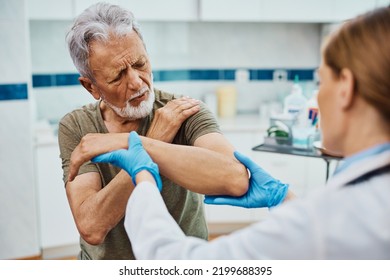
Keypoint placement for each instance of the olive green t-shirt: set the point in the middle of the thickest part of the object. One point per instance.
(185, 206)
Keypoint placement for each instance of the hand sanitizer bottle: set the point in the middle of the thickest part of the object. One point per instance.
(295, 103)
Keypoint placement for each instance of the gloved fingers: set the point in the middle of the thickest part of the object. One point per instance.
(221, 200)
(252, 166)
(134, 140)
(109, 157)
(278, 195)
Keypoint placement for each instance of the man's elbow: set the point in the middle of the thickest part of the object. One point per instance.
(92, 236)
(239, 183)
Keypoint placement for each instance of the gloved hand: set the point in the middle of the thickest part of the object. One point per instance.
(133, 160)
(264, 190)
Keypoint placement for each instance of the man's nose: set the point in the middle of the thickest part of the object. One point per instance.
(134, 81)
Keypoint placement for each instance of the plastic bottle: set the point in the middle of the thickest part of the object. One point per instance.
(227, 101)
(295, 103)
(313, 118)
(312, 109)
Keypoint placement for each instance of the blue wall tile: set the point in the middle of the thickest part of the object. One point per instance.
(13, 91)
(67, 79)
(52, 80)
(204, 75)
(174, 75)
(303, 74)
(264, 74)
(43, 80)
(229, 74)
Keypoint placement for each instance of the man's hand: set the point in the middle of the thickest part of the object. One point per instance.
(134, 160)
(94, 144)
(264, 190)
(168, 119)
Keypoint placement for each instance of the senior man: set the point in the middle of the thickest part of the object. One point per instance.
(180, 134)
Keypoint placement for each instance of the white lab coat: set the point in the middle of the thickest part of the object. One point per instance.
(338, 221)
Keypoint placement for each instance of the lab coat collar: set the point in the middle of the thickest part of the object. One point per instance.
(359, 169)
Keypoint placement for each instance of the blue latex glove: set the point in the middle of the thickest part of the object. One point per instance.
(264, 190)
(133, 160)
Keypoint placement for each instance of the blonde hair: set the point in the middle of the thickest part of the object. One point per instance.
(363, 46)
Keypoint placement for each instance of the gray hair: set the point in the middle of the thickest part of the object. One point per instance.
(97, 23)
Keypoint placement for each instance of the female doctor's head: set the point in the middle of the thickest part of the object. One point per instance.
(354, 92)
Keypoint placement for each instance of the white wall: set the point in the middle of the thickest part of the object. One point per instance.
(186, 45)
(18, 212)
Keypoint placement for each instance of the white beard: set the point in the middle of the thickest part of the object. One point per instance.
(134, 113)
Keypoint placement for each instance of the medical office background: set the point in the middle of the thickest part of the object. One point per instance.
(197, 48)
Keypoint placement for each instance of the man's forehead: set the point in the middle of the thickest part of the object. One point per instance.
(114, 54)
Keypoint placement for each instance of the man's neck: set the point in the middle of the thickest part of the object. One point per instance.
(115, 123)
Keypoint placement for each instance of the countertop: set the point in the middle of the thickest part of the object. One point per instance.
(243, 123)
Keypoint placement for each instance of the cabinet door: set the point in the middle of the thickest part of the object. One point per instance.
(167, 10)
(49, 10)
(295, 11)
(230, 10)
(286, 168)
(345, 9)
(315, 11)
(303, 174)
(81, 5)
(57, 226)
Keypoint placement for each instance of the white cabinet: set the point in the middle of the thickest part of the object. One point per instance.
(81, 5)
(303, 174)
(145, 10)
(317, 11)
(230, 10)
(265, 10)
(167, 10)
(346, 9)
(57, 227)
(50, 10)
(295, 11)
(214, 10)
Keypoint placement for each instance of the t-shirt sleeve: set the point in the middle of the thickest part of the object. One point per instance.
(200, 124)
(69, 136)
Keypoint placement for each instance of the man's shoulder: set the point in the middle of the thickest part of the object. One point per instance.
(88, 110)
(162, 95)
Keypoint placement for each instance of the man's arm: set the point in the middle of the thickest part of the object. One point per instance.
(97, 210)
(208, 167)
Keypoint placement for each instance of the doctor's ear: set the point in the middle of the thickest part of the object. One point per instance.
(88, 85)
(347, 87)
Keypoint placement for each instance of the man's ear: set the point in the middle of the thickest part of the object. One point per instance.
(347, 88)
(88, 85)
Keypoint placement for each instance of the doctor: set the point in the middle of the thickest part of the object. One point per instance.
(346, 219)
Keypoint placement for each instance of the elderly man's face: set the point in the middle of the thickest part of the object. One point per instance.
(123, 75)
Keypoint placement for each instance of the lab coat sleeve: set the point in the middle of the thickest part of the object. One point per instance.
(153, 232)
(155, 235)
